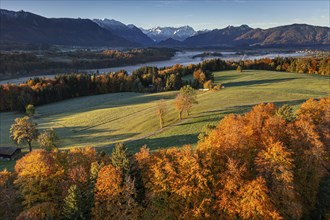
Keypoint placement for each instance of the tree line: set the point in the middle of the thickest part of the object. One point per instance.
(38, 91)
(310, 65)
(269, 163)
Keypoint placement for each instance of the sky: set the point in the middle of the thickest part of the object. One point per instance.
(199, 14)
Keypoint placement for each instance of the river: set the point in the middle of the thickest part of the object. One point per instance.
(183, 58)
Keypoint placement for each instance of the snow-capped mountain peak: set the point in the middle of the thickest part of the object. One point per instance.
(163, 33)
(129, 32)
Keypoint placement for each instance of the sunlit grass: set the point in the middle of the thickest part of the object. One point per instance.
(103, 120)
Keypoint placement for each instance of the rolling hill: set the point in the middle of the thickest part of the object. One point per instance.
(170, 42)
(103, 120)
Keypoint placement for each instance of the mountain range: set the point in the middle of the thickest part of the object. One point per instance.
(25, 27)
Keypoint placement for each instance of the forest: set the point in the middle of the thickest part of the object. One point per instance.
(38, 91)
(269, 163)
(17, 64)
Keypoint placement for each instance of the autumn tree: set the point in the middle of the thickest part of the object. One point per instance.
(24, 130)
(239, 197)
(30, 110)
(161, 112)
(175, 186)
(10, 205)
(208, 84)
(276, 164)
(81, 157)
(184, 100)
(199, 77)
(255, 202)
(227, 189)
(38, 176)
(113, 199)
(290, 156)
(44, 210)
(310, 140)
(47, 139)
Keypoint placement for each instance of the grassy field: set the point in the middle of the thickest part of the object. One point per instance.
(103, 120)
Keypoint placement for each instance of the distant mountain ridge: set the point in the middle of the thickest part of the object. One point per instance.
(223, 36)
(26, 27)
(295, 34)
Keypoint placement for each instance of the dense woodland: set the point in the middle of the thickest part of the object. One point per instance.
(24, 63)
(38, 91)
(268, 163)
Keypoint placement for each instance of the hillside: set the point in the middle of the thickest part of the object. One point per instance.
(128, 32)
(25, 27)
(220, 37)
(103, 120)
(296, 34)
(170, 42)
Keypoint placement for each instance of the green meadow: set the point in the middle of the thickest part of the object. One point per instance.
(103, 120)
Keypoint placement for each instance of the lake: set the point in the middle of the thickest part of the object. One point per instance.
(186, 58)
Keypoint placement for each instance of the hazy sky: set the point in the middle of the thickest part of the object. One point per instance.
(197, 13)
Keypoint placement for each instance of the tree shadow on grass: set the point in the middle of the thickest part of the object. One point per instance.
(211, 116)
(92, 137)
(256, 82)
(121, 100)
(95, 136)
(220, 78)
(240, 109)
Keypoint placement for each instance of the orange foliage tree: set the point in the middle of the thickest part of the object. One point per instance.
(175, 185)
(113, 197)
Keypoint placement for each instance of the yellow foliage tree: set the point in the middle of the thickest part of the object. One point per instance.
(38, 177)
